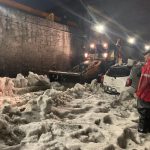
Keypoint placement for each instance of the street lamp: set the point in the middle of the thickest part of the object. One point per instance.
(131, 40)
(100, 28)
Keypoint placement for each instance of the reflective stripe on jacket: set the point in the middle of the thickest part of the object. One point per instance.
(143, 91)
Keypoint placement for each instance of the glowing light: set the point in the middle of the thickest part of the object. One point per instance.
(100, 28)
(105, 55)
(105, 45)
(147, 47)
(85, 55)
(131, 40)
(86, 62)
(92, 45)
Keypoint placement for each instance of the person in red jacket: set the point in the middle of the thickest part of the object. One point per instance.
(143, 96)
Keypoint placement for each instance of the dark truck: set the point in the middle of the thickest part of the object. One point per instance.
(81, 73)
(97, 61)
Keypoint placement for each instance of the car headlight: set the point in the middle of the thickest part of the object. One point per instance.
(86, 55)
(105, 45)
(105, 55)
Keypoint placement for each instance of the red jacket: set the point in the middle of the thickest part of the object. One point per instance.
(143, 91)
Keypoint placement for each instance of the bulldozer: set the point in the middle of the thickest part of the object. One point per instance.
(96, 61)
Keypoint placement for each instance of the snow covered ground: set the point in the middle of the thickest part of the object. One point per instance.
(79, 118)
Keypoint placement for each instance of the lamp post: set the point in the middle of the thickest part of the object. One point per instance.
(100, 28)
(131, 40)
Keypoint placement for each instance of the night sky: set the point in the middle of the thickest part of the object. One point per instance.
(134, 15)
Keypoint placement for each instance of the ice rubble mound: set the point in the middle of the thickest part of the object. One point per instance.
(53, 119)
(20, 81)
(10, 134)
(9, 85)
(31, 80)
(42, 104)
(76, 91)
(6, 86)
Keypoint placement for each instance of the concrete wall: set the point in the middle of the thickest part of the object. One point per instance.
(30, 43)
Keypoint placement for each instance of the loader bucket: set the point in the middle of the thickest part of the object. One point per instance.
(60, 76)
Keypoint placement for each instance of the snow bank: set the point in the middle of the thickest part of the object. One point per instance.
(80, 118)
